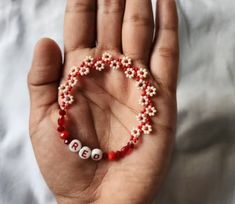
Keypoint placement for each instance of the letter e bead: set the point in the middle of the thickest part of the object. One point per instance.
(85, 152)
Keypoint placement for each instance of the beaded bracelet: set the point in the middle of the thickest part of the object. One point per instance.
(66, 99)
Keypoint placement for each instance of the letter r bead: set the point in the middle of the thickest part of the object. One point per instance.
(75, 146)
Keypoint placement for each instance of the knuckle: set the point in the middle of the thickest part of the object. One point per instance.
(140, 20)
(103, 47)
(80, 6)
(169, 27)
(167, 52)
(112, 6)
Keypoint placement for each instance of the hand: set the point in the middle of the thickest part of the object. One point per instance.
(106, 103)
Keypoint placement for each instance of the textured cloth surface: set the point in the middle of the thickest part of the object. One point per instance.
(203, 163)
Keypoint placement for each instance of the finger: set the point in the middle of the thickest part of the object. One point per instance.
(165, 57)
(138, 28)
(110, 15)
(79, 24)
(45, 73)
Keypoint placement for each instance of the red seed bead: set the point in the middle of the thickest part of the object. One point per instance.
(135, 140)
(61, 121)
(118, 154)
(67, 141)
(111, 156)
(143, 93)
(125, 150)
(64, 135)
(149, 120)
(60, 129)
(131, 145)
(105, 155)
(62, 112)
(123, 153)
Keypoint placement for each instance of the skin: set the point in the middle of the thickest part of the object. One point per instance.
(106, 103)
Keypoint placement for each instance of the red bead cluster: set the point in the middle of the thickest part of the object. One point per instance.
(124, 64)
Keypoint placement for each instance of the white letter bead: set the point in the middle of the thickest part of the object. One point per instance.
(85, 152)
(75, 146)
(96, 154)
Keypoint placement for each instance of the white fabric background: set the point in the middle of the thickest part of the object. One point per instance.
(203, 164)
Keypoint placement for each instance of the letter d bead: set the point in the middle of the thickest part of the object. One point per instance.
(96, 154)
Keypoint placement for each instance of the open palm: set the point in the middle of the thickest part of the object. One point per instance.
(106, 103)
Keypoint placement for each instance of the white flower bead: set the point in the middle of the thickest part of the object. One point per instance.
(141, 84)
(89, 60)
(75, 145)
(106, 57)
(85, 152)
(151, 91)
(151, 110)
(126, 61)
(141, 117)
(130, 73)
(99, 65)
(73, 81)
(144, 101)
(73, 71)
(84, 70)
(96, 154)
(147, 129)
(142, 73)
(68, 99)
(135, 132)
(114, 64)
(63, 88)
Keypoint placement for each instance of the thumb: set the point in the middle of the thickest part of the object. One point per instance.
(44, 75)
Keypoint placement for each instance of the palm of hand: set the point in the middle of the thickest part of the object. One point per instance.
(106, 107)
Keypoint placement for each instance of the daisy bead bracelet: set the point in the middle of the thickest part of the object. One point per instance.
(66, 99)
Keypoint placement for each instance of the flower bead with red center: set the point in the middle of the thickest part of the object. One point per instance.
(84, 70)
(130, 73)
(142, 73)
(135, 132)
(151, 91)
(68, 99)
(150, 110)
(114, 64)
(126, 61)
(147, 129)
(89, 61)
(99, 65)
(72, 82)
(141, 84)
(106, 57)
(63, 88)
(73, 71)
(141, 117)
(144, 100)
